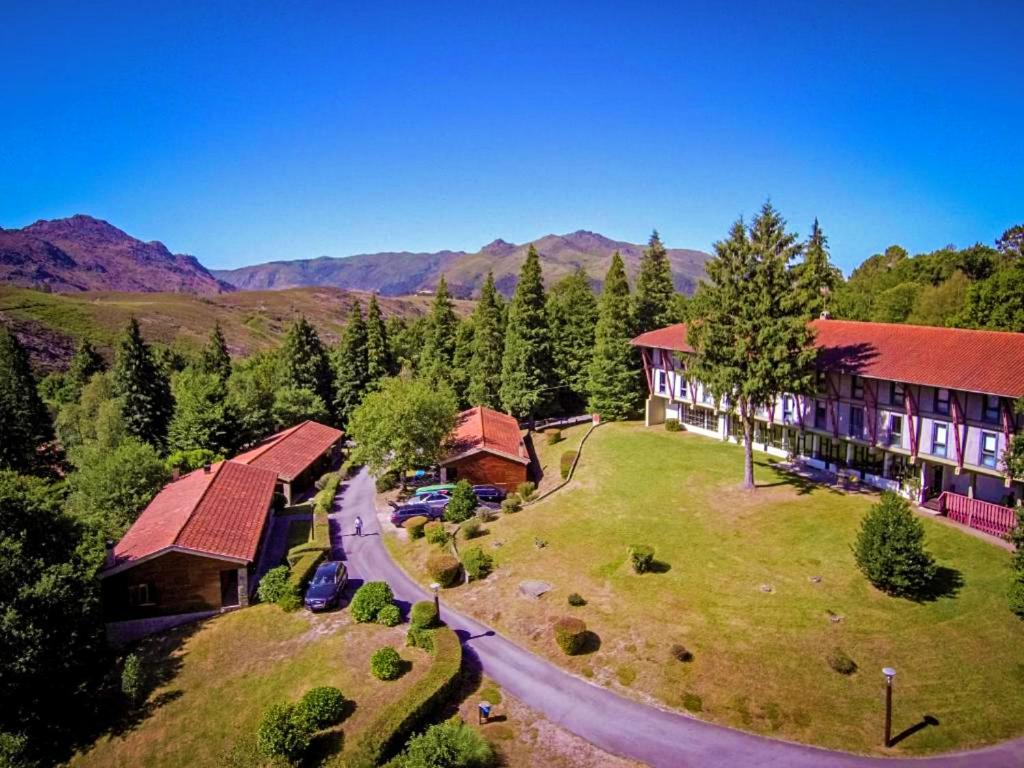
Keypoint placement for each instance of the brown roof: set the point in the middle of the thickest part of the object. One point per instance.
(291, 452)
(481, 429)
(990, 362)
(220, 513)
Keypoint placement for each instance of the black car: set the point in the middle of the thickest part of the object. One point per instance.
(489, 494)
(408, 511)
(325, 587)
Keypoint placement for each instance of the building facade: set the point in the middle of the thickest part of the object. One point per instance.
(923, 411)
(487, 448)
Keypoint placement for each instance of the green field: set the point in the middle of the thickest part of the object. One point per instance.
(761, 588)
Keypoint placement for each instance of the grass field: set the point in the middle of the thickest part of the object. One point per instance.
(761, 588)
(217, 682)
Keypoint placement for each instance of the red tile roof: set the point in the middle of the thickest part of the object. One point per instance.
(990, 362)
(481, 429)
(290, 452)
(221, 513)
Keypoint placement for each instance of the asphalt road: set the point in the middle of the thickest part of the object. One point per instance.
(615, 724)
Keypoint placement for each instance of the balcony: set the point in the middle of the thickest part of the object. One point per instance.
(994, 519)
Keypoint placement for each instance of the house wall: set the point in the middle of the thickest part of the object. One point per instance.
(179, 583)
(486, 468)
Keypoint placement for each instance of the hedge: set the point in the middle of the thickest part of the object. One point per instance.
(395, 722)
(304, 569)
(323, 502)
(319, 541)
(565, 463)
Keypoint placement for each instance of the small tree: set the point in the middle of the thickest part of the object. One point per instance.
(890, 548)
(451, 743)
(463, 503)
(274, 585)
(284, 732)
(133, 678)
(322, 707)
(386, 664)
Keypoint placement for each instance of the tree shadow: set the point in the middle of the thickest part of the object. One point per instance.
(534, 471)
(803, 484)
(924, 722)
(591, 643)
(947, 582)
(324, 746)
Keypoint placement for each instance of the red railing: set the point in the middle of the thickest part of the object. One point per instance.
(983, 515)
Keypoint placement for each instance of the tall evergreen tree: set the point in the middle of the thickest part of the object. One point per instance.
(85, 363)
(572, 314)
(379, 361)
(816, 277)
(526, 361)
(142, 387)
(488, 347)
(305, 363)
(613, 384)
(215, 358)
(749, 329)
(654, 300)
(443, 325)
(202, 417)
(462, 362)
(351, 365)
(24, 421)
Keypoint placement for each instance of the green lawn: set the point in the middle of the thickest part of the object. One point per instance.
(760, 657)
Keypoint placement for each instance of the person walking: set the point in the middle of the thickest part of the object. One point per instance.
(359, 526)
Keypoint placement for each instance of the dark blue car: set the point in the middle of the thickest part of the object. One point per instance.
(324, 590)
(489, 494)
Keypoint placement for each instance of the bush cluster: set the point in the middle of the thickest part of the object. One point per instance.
(470, 528)
(370, 599)
(386, 664)
(419, 637)
(279, 585)
(511, 504)
(571, 635)
(462, 504)
(414, 525)
(672, 425)
(478, 564)
(389, 616)
(565, 463)
(641, 557)
(443, 568)
(436, 533)
(424, 615)
(890, 548)
(526, 490)
(451, 743)
(841, 662)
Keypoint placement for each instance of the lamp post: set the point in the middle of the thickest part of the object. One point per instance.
(889, 673)
(437, 603)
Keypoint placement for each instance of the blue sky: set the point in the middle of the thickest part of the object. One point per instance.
(251, 131)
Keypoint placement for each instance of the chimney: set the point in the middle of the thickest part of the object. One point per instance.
(206, 468)
(109, 559)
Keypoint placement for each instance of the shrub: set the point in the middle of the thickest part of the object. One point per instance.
(554, 436)
(451, 743)
(387, 481)
(423, 614)
(435, 533)
(511, 504)
(443, 568)
(322, 707)
(386, 664)
(369, 599)
(133, 678)
(671, 425)
(389, 616)
(485, 514)
(526, 490)
(570, 634)
(1017, 597)
(681, 653)
(841, 662)
(478, 564)
(290, 602)
(463, 503)
(470, 528)
(419, 637)
(576, 600)
(283, 733)
(890, 548)
(304, 569)
(565, 463)
(641, 557)
(414, 525)
(274, 585)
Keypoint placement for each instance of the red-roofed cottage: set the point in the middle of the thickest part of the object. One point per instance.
(194, 546)
(298, 455)
(487, 448)
(923, 410)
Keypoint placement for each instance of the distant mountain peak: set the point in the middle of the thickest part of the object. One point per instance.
(498, 246)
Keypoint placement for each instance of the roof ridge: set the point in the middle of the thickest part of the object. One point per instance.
(199, 501)
(916, 326)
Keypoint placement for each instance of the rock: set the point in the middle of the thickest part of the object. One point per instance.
(767, 588)
(533, 589)
(814, 579)
(835, 618)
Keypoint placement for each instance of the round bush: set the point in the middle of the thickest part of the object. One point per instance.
(386, 664)
(423, 614)
(414, 525)
(283, 732)
(322, 707)
(478, 564)
(274, 585)
(641, 557)
(671, 425)
(389, 616)
(576, 600)
(435, 533)
(370, 599)
(570, 634)
(511, 504)
(554, 436)
(443, 568)
(471, 528)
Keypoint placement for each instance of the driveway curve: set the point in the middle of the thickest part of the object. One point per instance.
(616, 724)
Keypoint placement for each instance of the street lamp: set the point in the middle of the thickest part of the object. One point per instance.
(437, 603)
(889, 673)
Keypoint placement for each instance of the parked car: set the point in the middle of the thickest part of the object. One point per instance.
(436, 501)
(428, 489)
(489, 494)
(408, 511)
(324, 590)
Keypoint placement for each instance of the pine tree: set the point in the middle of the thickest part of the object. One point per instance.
(351, 365)
(488, 347)
(143, 388)
(572, 314)
(654, 300)
(749, 332)
(215, 358)
(202, 416)
(613, 385)
(85, 363)
(379, 361)
(526, 361)
(305, 363)
(24, 421)
(816, 277)
(443, 324)
(462, 362)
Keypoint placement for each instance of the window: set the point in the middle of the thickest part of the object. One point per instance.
(856, 422)
(787, 408)
(895, 429)
(896, 393)
(942, 401)
(990, 412)
(821, 381)
(659, 382)
(820, 415)
(857, 387)
(989, 446)
(940, 433)
(139, 594)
